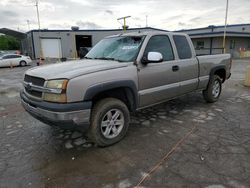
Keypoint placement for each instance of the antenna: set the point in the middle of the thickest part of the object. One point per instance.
(124, 22)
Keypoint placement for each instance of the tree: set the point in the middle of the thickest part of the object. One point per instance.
(9, 43)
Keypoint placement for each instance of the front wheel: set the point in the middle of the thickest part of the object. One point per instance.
(22, 63)
(213, 91)
(109, 122)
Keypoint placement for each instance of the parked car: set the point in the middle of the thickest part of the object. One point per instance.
(121, 74)
(8, 60)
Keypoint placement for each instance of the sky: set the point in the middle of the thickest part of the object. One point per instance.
(102, 14)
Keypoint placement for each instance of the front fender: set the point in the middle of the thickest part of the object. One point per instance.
(102, 87)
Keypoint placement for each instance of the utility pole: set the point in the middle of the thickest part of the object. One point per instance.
(124, 21)
(38, 16)
(146, 20)
(225, 29)
(28, 23)
(39, 27)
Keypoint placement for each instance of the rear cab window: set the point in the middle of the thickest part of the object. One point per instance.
(182, 46)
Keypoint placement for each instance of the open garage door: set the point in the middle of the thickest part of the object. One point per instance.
(52, 48)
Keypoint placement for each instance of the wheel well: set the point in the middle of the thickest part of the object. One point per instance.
(124, 94)
(221, 73)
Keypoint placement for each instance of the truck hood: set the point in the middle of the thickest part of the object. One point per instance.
(71, 69)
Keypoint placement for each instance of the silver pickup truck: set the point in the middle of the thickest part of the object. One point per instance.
(121, 74)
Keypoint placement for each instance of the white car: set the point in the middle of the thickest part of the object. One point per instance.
(8, 60)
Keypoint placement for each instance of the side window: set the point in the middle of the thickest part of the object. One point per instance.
(15, 56)
(7, 57)
(183, 48)
(161, 44)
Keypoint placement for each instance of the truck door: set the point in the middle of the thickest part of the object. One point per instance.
(158, 81)
(188, 64)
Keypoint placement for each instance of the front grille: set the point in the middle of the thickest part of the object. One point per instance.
(34, 93)
(34, 80)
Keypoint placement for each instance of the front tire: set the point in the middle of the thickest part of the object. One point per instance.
(109, 122)
(22, 63)
(213, 91)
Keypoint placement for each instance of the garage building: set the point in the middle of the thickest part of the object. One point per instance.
(66, 43)
(209, 40)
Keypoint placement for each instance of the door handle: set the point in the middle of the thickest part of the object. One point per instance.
(175, 68)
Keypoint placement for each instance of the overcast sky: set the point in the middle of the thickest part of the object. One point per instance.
(103, 14)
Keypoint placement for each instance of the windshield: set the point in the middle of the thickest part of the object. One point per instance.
(123, 48)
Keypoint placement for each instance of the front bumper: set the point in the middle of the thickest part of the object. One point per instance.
(65, 115)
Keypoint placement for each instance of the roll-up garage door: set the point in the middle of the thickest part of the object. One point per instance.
(51, 48)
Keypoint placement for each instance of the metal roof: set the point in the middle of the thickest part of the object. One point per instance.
(219, 34)
(214, 26)
(10, 32)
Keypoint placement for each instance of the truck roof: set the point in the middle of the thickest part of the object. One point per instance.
(141, 33)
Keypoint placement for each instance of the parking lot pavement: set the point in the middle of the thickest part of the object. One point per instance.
(184, 142)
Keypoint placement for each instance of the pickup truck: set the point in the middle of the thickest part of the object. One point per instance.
(121, 74)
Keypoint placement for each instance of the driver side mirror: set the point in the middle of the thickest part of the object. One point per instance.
(152, 57)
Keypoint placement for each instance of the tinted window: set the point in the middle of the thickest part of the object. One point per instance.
(7, 57)
(161, 44)
(11, 56)
(15, 56)
(183, 48)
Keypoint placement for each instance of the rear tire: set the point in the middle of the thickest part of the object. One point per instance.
(213, 91)
(109, 122)
(22, 63)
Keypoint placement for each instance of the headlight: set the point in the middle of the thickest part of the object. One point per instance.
(57, 84)
(57, 92)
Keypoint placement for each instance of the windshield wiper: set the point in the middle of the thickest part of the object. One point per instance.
(87, 57)
(109, 58)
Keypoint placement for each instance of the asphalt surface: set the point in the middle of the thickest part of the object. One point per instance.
(182, 143)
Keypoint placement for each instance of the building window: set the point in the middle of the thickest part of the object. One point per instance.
(232, 44)
(200, 44)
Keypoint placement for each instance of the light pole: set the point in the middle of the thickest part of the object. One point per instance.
(39, 27)
(124, 21)
(28, 23)
(225, 29)
(38, 16)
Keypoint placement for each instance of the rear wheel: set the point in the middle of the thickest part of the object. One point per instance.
(213, 91)
(22, 63)
(109, 122)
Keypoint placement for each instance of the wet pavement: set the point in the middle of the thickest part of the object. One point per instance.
(184, 142)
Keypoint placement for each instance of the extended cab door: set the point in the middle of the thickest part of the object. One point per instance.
(188, 64)
(158, 81)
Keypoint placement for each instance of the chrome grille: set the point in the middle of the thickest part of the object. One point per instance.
(34, 80)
